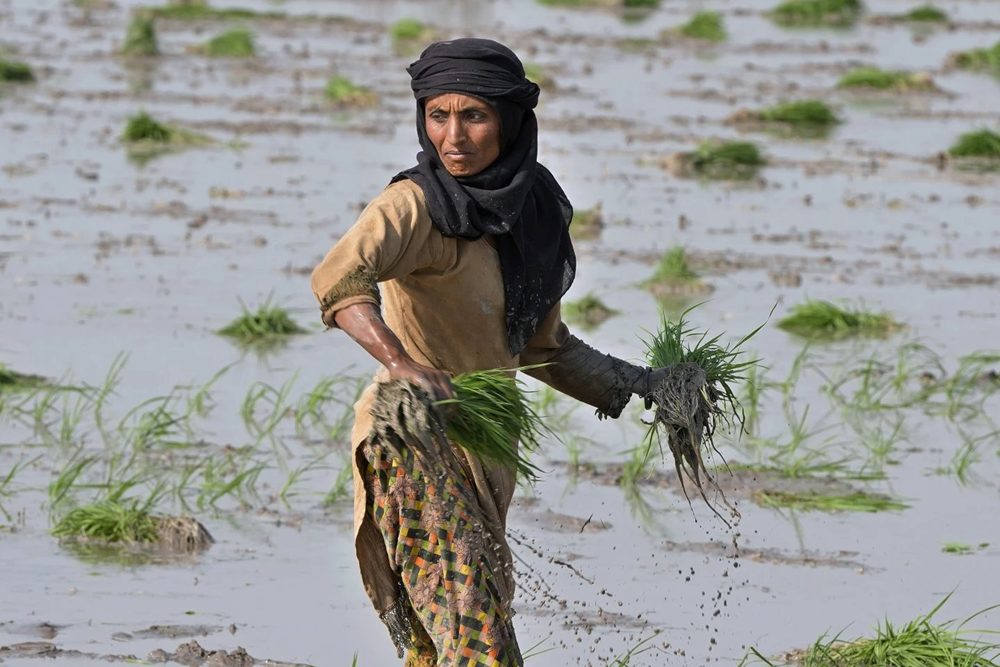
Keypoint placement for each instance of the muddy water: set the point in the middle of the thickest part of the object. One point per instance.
(102, 256)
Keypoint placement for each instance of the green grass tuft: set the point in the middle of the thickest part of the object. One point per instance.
(588, 311)
(674, 269)
(237, 43)
(493, 414)
(704, 25)
(803, 112)
(342, 90)
(408, 30)
(983, 143)
(14, 381)
(536, 73)
(144, 128)
(202, 11)
(140, 38)
(979, 59)
(822, 319)
(267, 324)
(919, 643)
(817, 12)
(874, 78)
(926, 14)
(727, 160)
(587, 223)
(110, 520)
(957, 548)
(811, 501)
(15, 72)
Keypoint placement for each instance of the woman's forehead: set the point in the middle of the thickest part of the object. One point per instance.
(455, 101)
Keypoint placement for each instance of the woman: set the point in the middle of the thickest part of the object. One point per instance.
(473, 251)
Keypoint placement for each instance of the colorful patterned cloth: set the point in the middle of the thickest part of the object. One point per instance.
(439, 554)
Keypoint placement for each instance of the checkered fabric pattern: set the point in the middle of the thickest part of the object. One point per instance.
(439, 554)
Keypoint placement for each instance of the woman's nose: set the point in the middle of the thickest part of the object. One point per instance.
(455, 131)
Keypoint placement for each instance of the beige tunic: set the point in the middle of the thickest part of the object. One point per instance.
(444, 299)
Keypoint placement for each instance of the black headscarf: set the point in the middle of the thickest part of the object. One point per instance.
(515, 198)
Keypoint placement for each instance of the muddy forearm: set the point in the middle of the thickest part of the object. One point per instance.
(364, 324)
(591, 377)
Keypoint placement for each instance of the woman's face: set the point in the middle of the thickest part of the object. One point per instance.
(464, 130)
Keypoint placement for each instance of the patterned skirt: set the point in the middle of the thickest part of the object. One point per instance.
(440, 557)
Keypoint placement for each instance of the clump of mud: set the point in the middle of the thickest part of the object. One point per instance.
(182, 534)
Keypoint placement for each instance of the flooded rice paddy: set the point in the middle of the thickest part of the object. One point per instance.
(117, 268)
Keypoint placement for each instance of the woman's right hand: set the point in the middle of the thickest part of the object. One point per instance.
(436, 383)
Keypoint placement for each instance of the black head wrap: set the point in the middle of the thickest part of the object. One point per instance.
(515, 198)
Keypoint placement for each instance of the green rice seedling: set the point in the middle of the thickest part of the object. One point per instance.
(802, 112)
(144, 135)
(822, 319)
(333, 392)
(958, 548)
(697, 397)
(979, 144)
(587, 223)
(981, 60)
(140, 38)
(705, 26)
(202, 11)
(276, 406)
(200, 404)
(719, 160)
(817, 13)
(12, 71)
(113, 521)
(858, 501)
(410, 34)
(920, 643)
(674, 268)
(342, 91)
(873, 78)
(237, 43)
(66, 481)
(13, 381)
(267, 324)
(494, 418)
(537, 74)
(237, 475)
(588, 311)
(625, 659)
(927, 14)
(341, 485)
(111, 381)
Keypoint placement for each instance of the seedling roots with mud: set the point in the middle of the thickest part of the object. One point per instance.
(695, 399)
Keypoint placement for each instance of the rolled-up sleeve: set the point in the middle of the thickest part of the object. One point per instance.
(393, 237)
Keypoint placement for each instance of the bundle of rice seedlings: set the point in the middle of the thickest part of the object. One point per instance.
(343, 91)
(140, 38)
(588, 311)
(640, 4)
(267, 324)
(587, 223)
(978, 59)
(981, 144)
(410, 30)
(876, 79)
(727, 159)
(196, 11)
(674, 275)
(704, 25)
(696, 398)
(143, 134)
(823, 319)
(15, 72)
(926, 14)
(919, 643)
(803, 112)
(492, 415)
(817, 12)
(13, 381)
(237, 43)
(130, 522)
(858, 501)
(536, 73)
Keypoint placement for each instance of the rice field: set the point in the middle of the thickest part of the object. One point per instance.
(175, 421)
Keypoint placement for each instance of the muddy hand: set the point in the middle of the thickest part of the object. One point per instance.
(436, 383)
(648, 381)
